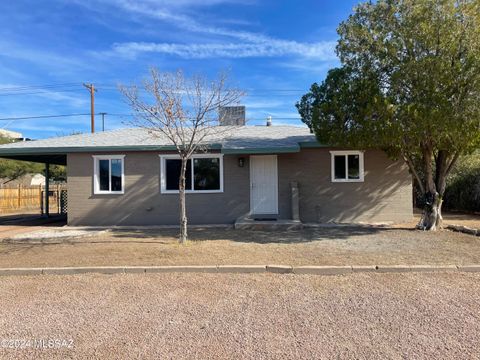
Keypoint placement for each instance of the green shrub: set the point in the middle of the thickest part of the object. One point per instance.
(463, 185)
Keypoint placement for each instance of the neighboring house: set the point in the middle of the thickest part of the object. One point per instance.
(24, 180)
(37, 179)
(130, 177)
(12, 135)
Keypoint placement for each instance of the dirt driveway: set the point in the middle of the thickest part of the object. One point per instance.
(207, 316)
(327, 246)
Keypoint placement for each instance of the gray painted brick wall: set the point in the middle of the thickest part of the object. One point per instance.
(386, 194)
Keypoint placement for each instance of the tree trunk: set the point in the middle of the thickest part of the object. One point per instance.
(183, 208)
(434, 188)
(432, 213)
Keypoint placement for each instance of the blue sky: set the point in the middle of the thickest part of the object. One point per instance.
(274, 50)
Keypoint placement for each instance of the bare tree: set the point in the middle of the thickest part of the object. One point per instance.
(185, 110)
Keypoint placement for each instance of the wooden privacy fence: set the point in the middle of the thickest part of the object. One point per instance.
(31, 199)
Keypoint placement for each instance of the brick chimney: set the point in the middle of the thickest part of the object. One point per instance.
(232, 115)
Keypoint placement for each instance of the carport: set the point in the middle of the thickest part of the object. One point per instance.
(38, 156)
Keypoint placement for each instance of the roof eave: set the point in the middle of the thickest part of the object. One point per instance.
(311, 144)
(90, 149)
(9, 152)
(262, 150)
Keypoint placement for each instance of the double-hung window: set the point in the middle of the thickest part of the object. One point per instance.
(204, 173)
(109, 175)
(347, 166)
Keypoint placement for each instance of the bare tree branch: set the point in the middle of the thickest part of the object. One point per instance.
(452, 163)
(184, 111)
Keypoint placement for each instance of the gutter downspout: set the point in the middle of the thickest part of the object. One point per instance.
(295, 201)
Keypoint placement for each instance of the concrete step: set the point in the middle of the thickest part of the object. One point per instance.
(280, 224)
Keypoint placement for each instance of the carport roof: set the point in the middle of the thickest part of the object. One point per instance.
(231, 140)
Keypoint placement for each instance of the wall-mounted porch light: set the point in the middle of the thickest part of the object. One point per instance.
(241, 162)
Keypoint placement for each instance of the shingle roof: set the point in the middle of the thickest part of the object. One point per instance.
(232, 139)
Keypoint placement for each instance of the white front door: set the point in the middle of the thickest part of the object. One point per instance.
(263, 184)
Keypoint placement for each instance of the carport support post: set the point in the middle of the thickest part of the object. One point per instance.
(47, 189)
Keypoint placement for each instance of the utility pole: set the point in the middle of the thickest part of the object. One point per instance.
(91, 88)
(103, 120)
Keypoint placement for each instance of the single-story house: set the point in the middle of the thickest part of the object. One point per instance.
(130, 177)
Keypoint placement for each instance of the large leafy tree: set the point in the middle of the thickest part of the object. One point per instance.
(409, 84)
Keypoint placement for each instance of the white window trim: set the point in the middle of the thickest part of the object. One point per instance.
(96, 174)
(346, 153)
(163, 177)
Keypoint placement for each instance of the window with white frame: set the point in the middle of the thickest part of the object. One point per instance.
(347, 166)
(109, 175)
(204, 173)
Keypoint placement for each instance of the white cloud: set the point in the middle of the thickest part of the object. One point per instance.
(34, 96)
(262, 104)
(41, 57)
(55, 96)
(323, 51)
(170, 13)
(39, 128)
(195, 3)
(166, 11)
(234, 44)
(309, 65)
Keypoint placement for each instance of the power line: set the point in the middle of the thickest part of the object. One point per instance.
(273, 117)
(41, 117)
(44, 92)
(109, 86)
(41, 89)
(113, 114)
(112, 85)
(29, 87)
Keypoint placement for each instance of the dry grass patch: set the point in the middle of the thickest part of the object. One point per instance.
(326, 246)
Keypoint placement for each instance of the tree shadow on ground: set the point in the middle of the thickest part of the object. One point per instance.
(257, 236)
(168, 237)
(33, 220)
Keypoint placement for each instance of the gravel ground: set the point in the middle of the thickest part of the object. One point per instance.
(327, 246)
(206, 316)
